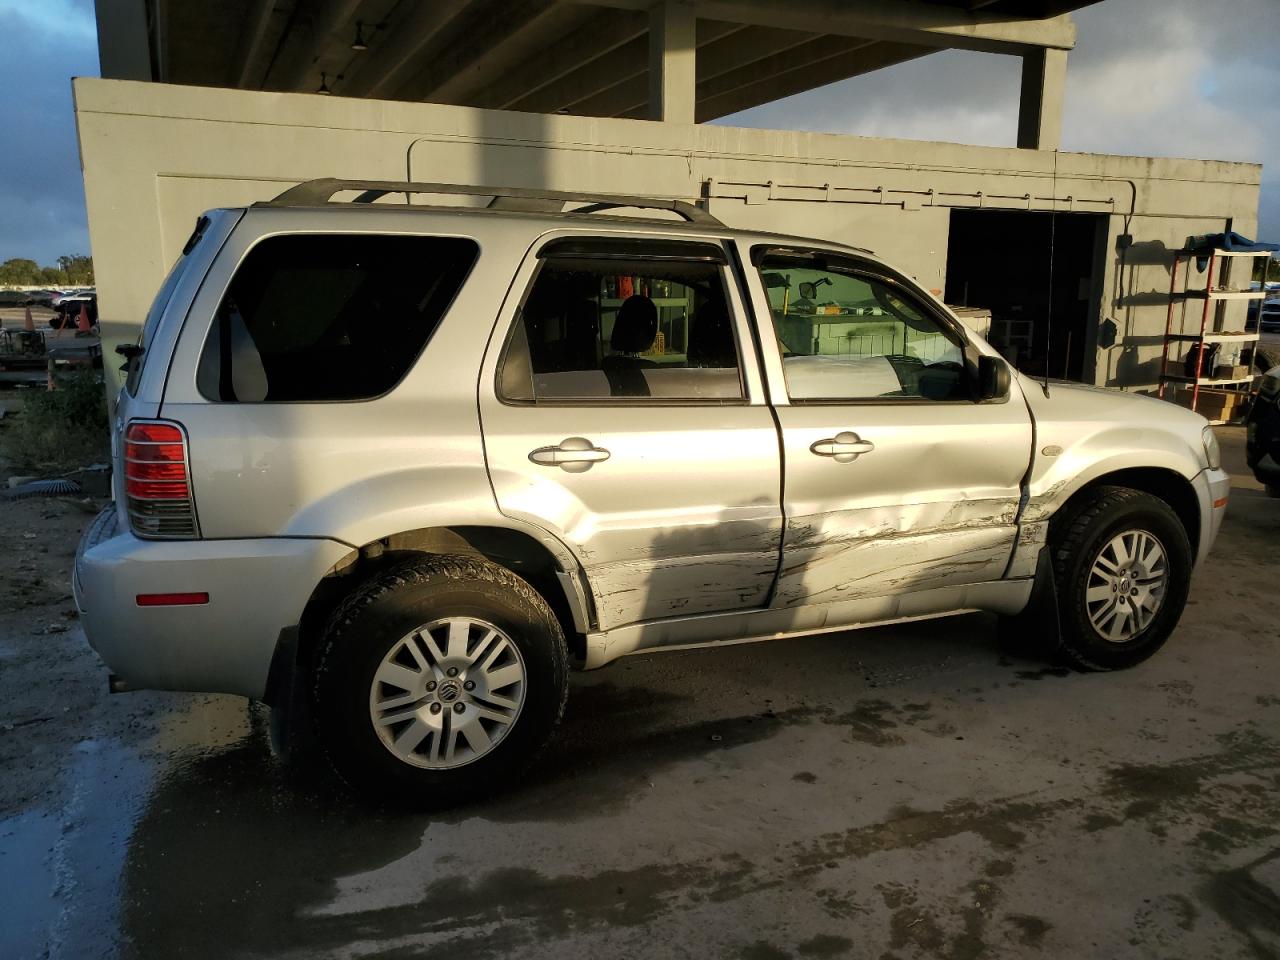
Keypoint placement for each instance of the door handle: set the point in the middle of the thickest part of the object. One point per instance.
(844, 447)
(572, 455)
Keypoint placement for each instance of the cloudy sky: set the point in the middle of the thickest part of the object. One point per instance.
(1174, 78)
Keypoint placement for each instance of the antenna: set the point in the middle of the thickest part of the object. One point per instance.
(1048, 323)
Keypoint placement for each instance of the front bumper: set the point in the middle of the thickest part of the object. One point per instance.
(256, 588)
(1212, 488)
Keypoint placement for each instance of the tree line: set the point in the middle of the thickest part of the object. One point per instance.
(72, 270)
(1270, 266)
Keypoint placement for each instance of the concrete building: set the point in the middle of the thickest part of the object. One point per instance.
(610, 95)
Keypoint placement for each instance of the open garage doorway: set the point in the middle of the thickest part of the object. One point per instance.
(999, 260)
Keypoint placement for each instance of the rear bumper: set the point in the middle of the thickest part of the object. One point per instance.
(1212, 488)
(256, 588)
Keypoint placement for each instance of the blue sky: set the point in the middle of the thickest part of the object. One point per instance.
(1177, 78)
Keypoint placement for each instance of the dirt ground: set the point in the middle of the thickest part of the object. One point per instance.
(902, 792)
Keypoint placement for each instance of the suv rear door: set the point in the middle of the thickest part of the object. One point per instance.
(897, 479)
(623, 413)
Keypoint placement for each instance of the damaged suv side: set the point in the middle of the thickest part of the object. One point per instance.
(393, 468)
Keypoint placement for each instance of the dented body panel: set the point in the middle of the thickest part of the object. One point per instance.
(683, 516)
(933, 505)
(1091, 432)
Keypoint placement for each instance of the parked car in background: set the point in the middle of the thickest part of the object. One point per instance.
(1262, 432)
(1269, 316)
(392, 468)
(44, 298)
(67, 311)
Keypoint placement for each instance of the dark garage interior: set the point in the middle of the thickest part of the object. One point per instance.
(1035, 272)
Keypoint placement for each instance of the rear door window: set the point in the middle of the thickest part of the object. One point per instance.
(323, 317)
(631, 320)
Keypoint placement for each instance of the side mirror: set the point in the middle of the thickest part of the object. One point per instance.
(807, 290)
(993, 378)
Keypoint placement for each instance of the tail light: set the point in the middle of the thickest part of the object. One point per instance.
(157, 480)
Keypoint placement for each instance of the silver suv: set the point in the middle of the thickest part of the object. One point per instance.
(394, 466)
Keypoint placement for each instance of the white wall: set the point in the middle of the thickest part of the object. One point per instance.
(156, 155)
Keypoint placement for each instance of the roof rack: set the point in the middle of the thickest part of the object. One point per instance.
(321, 191)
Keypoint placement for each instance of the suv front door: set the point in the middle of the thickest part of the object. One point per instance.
(897, 480)
(622, 414)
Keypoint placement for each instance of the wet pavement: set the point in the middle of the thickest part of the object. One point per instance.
(898, 792)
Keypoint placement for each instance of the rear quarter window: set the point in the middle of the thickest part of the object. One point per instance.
(133, 365)
(329, 317)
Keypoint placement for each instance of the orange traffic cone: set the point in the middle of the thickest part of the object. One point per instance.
(27, 322)
(82, 321)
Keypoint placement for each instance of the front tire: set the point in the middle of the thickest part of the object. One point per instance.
(437, 681)
(1122, 569)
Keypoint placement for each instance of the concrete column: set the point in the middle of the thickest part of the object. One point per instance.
(672, 55)
(1044, 76)
(124, 43)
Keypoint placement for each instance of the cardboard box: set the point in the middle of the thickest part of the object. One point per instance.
(1227, 372)
(1213, 403)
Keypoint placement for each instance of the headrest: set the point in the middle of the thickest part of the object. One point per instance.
(636, 325)
(711, 337)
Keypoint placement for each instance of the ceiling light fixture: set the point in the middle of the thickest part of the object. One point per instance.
(358, 43)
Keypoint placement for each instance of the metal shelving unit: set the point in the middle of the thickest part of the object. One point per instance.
(1211, 318)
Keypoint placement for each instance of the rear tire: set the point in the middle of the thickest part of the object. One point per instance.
(1122, 569)
(438, 681)
(1273, 490)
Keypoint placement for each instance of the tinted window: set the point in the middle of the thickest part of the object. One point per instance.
(329, 317)
(846, 335)
(623, 328)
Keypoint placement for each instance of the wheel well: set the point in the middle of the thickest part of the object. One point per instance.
(1166, 485)
(516, 551)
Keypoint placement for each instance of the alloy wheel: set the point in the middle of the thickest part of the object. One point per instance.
(1126, 585)
(447, 693)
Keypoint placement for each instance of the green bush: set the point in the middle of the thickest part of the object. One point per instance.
(60, 430)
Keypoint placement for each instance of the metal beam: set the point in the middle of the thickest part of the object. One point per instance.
(903, 21)
(124, 41)
(600, 36)
(749, 46)
(673, 47)
(801, 78)
(298, 68)
(394, 52)
(1044, 79)
(474, 49)
(747, 50)
(800, 58)
(603, 75)
(250, 47)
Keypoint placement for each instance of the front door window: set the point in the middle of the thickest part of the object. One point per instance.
(847, 335)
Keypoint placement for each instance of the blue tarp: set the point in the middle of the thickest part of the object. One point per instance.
(1231, 241)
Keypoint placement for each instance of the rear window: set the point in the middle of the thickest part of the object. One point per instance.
(329, 317)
